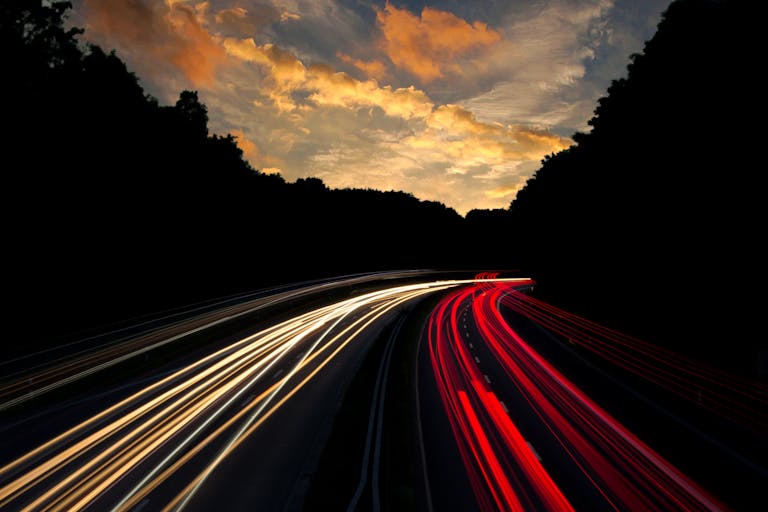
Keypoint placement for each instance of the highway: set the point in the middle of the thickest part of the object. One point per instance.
(169, 442)
(520, 406)
(529, 436)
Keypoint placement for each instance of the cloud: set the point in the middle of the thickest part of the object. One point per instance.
(249, 148)
(448, 156)
(488, 104)
(428, 46)
(358, 133)
(247, 18)
(504, 191)
(158, 35)
(537, 72)
(370, 68)
(459, 136)
(295, 86)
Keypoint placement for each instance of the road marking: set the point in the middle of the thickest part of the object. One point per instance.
(534, 451)
(471, 346)
(477, 360)
(487, 379)
(278, 373)
(504, 406)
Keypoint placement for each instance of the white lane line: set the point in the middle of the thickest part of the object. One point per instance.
(504, 406)
(487, 379)
(471, 346)
(380, 427)
(477, 360)
(376, 400)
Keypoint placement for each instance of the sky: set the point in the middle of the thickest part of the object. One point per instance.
(453, 101)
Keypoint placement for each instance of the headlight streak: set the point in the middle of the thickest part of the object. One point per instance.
(378, 312)
(503, 473)
(77, 467)
(224, 406)
(121, 422)
(55, 373)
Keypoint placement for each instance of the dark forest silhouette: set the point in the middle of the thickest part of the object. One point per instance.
(117, 206)
(654, 221)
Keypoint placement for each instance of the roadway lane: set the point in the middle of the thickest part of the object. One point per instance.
(239, 424)
(33, 375)
(525, 437)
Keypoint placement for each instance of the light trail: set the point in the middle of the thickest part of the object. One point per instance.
(727, 395)
(505, 474)
(18, 387)
(504, 471)
(174, 423)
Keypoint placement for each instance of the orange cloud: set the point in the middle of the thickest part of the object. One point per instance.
(453, 134)
(248, 18)
(158, 34)
(250, 150)
(341, 90)
(429, 45)
(507, 191)
(371, 68)
(322, 85)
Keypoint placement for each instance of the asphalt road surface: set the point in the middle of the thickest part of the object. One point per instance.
(228, 405)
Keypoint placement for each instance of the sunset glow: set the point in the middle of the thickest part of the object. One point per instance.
(455, 103)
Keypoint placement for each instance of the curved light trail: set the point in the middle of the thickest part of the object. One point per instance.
(503, 469)
(165, 440)
(83, 358)
(727, 395)
(172, 434)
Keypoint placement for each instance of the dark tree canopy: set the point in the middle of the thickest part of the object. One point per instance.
(118, 206)
(654, 220)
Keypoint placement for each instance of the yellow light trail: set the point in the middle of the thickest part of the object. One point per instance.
(162, 427)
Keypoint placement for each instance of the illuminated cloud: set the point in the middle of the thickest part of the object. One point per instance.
(249, 148)
(457, 103)
(503, 191)
(454, 132)
(248, 18)
(157, 35)
(321, 85)
(447, 156)
(428, 46)
(370, 68)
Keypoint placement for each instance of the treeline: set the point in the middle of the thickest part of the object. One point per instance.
(116, 205)
(655, 221)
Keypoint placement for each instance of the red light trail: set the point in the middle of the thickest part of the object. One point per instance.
(504, 471)
(718, 391)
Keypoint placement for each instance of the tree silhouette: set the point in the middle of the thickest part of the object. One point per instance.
(650, 222)
(116, 205)
(194, 113)
(120, 206)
